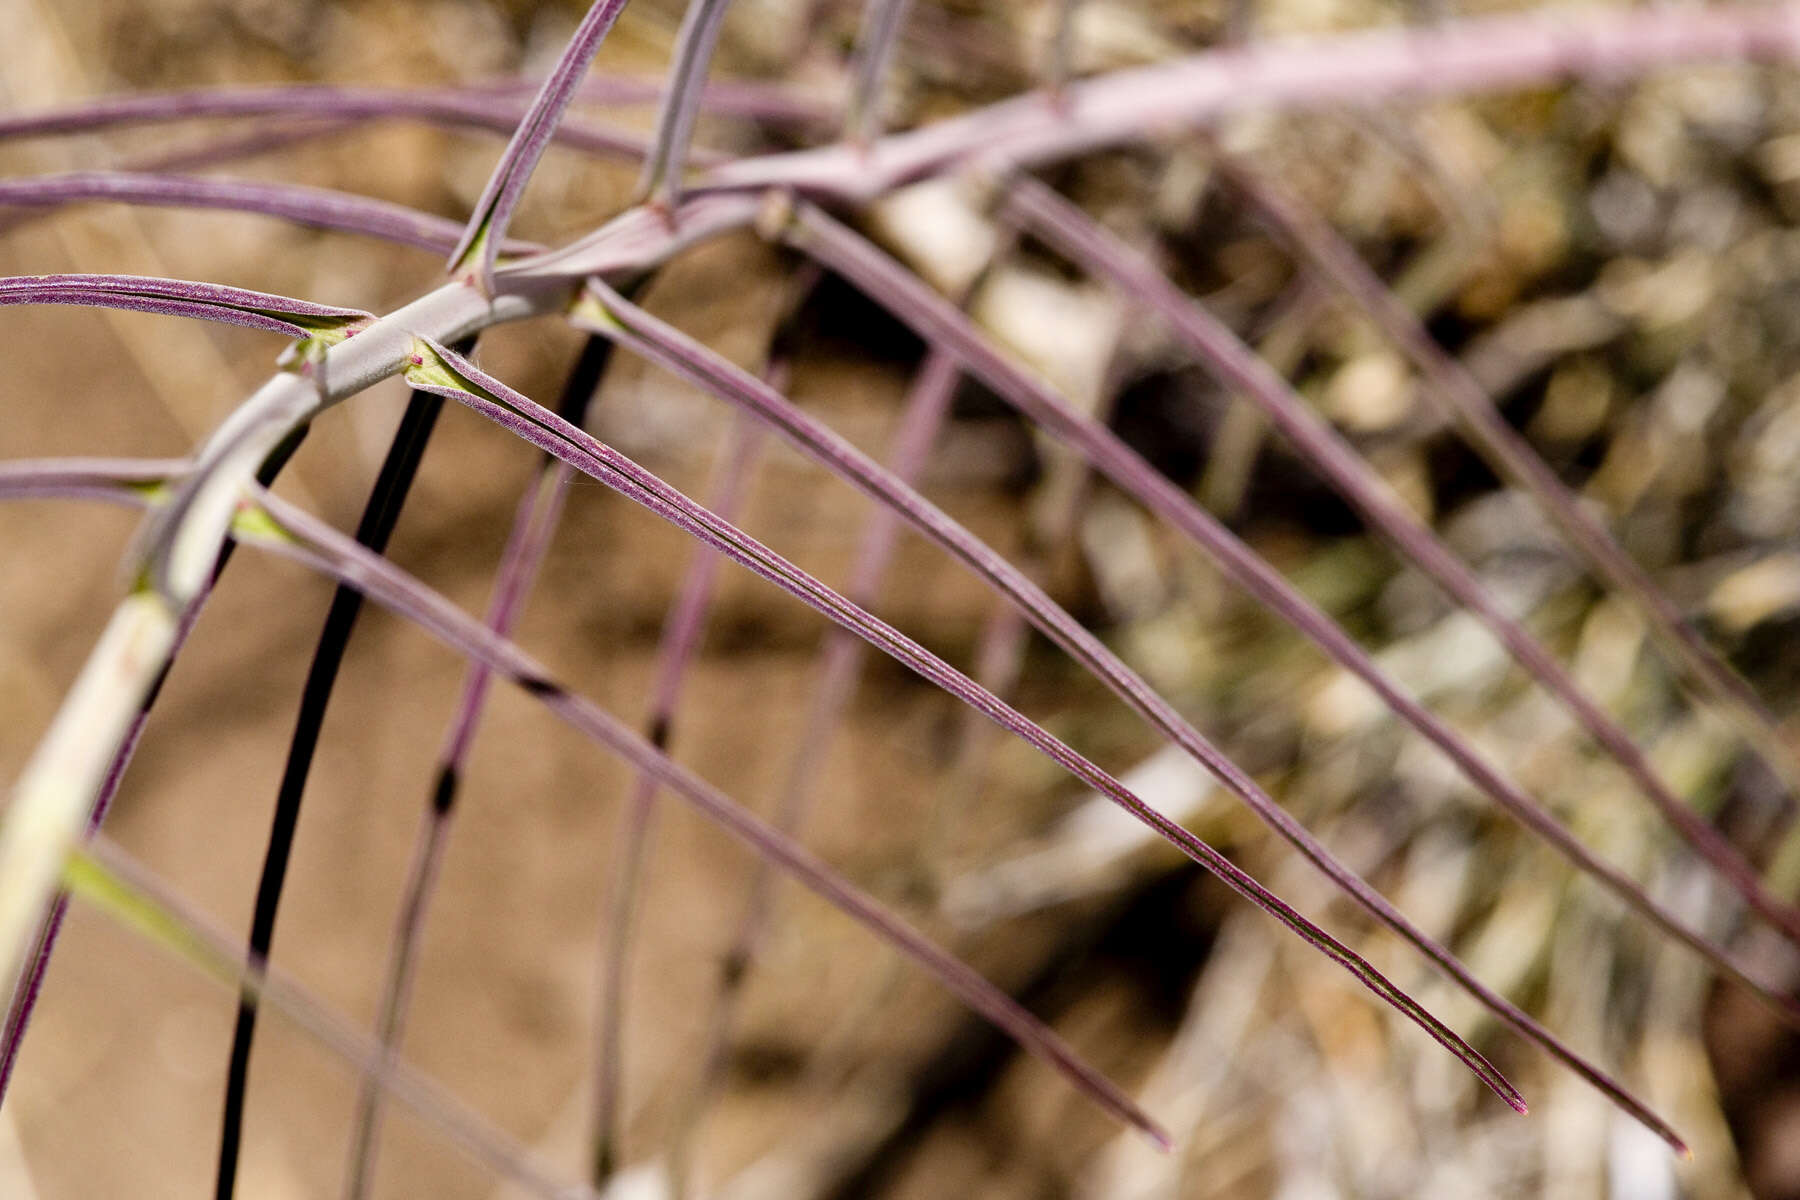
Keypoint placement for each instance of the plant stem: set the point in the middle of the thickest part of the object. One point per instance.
(875, 46)
(380, 515)
(29, 987)
(660, 184)
(680, 639)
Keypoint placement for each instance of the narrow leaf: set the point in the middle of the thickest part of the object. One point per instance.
(179, 297)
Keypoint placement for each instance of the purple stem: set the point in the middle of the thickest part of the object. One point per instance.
(318, 545)
(1471, 56)
(466, 108)
(515, 412)
(680, 639)
(320, 208)
(493, 212)
(694, 45)
(882, 22)
(534, 526)
(180, 298)
(492, 105)
(840, 663)
(1074, 234)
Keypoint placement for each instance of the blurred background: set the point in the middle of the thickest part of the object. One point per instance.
(1617, 265)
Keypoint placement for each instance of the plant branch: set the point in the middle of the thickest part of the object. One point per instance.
(320, 208)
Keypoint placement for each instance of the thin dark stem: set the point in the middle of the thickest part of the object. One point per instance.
(379, 517)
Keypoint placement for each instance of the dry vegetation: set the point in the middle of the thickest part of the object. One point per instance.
(1616, 264)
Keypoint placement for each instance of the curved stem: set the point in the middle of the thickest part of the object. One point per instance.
(380, 515)
(443, 371)
(308, 540)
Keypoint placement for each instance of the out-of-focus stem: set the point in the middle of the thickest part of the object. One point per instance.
(681, 638)
(661, 182)
(534, 525)
(880, 35)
